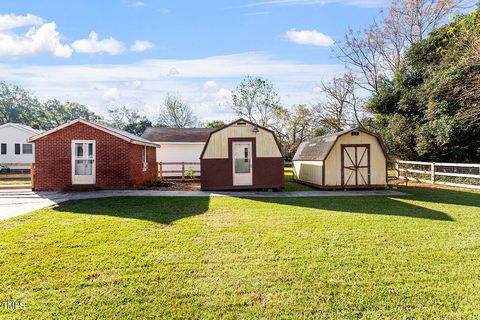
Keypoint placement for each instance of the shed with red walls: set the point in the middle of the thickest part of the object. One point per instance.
(241, 155)
(85, 155)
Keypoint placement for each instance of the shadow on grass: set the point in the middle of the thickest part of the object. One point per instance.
(376, 205)
(164, 210)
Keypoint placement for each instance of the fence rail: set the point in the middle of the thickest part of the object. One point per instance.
(10, 171)
(465, 175)
(188, 170)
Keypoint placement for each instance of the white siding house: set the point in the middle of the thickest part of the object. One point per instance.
(14, 146)
(178, 145)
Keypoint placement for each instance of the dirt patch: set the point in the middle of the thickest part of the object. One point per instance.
(172, 185)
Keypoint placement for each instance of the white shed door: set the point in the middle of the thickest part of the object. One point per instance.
(83, 162)
(242, 163)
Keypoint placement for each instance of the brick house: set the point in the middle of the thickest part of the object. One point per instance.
(86, 155)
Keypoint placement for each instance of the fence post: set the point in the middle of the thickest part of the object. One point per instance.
(183, 171)
(432, 174)
(160, 169)
(397, 170)
(32, 175)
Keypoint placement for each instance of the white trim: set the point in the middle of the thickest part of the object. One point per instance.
(182, 143)
(248, 175)
(46, 133)
(94, 164)
(144, 155)
(140, 143)
(96, 126)
(21, 127)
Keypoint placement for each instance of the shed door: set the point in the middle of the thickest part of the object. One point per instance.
(242, 164)
(83, 162)
(355, 165)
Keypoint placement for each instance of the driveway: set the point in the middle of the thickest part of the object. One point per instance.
(17, 202)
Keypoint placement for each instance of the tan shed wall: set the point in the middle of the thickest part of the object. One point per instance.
(217, 146)
(333, 166)
(308, 171)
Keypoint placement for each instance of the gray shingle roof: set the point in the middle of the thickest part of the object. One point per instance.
(177, 134)
(318, 148)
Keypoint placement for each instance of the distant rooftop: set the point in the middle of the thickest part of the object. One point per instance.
(177, 134)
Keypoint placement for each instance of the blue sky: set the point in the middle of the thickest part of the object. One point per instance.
(111, 53)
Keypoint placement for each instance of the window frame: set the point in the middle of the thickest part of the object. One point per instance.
(144, 158)
(18, 145)
(3, 148)
(25, 145)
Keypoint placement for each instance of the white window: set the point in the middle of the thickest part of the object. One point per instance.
(144, 159)
(27, 148)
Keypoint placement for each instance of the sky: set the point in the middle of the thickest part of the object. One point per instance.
(112, 53)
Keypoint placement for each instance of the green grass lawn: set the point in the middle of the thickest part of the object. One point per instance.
(416, 256)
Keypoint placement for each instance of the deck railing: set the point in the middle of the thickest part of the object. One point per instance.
(187, 170)
(465, 175)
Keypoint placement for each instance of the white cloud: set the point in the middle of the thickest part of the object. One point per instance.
(93, 45)
(145, 84)
(135, 84)
(42, 40)
(141, 45)
(223, 97)
(12, 21)
(173, 72)
(257, 13)
(209, 85)
(309, 37)
(111, 94)
(356, 3)
(137, 4)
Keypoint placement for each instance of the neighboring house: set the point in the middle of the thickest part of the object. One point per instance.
(86, 155)
(354, 158)
(242, 155)
(178, 145)
(14, 147)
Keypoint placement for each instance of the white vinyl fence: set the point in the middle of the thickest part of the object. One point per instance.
(463, 175)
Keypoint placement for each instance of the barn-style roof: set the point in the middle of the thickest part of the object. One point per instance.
(318, 148)
(242, 121)
(124, 135)
(177, 134)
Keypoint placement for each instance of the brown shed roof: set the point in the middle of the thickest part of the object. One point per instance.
(319, 148)
(177, 134)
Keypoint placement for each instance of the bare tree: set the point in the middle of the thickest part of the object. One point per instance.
(361, 54)
(256, 99)
(175, 113)
(376, 51)
(341, 104)
(292, 127)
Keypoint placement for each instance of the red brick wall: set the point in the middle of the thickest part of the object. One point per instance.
(138, 177)
(114, 163)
